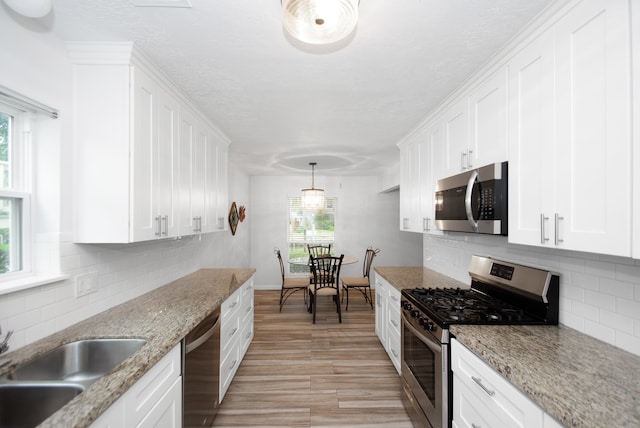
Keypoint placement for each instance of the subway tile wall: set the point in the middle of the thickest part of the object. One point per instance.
(123, 272)
(599, 294)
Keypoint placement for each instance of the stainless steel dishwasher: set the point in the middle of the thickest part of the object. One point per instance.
(201, 388)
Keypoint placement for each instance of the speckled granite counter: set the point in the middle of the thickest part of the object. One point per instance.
(163, 317)
(402, 277)
(579, 380)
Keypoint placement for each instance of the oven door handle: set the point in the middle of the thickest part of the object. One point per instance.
(431, 344)
(467, 200)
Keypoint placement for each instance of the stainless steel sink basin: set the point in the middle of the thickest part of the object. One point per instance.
(83, 362)
(27, 405)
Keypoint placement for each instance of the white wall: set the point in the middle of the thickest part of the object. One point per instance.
(363, 217)
(599, 295)
(36, 65)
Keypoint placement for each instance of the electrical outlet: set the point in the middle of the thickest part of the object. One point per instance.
(86, 283)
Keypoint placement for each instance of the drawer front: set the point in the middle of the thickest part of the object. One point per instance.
(393, 349)
(231, 304)
(505, 404)
(229, 332)
(394, 322)
(228, 368)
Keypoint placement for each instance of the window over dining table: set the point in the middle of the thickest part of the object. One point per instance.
(309, 227)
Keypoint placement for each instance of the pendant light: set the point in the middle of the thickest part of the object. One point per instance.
(312, 199)
(319, 22)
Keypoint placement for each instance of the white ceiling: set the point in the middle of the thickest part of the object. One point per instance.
(284, 104)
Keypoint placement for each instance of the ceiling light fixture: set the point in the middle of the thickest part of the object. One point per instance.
(312, 199)
(319, 22)
(30, 8)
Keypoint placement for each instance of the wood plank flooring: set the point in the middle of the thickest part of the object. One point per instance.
(297, 374)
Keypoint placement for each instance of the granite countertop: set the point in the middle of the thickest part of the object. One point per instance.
(401, 277)
(577, 379)
(162, 317)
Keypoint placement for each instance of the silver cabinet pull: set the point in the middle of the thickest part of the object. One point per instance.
(543, 235)
(425, 224)
(479, 382)
(158, 226)
(165, 219)
(469, 162)
(394, 322)
(475, 426)
(394, 352)
(233, 332)
(462, 162)
(405, 223)
(557, 231)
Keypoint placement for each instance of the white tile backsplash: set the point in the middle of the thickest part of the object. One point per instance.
(124, 272)
(599, 294)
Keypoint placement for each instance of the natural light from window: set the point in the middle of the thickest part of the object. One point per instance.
(309, 227)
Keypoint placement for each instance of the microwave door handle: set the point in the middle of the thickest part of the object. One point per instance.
(467, 200)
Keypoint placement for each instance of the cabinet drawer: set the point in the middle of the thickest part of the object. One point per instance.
(246, 336)
(228, 367)
(229, 332)
(394, 320)
(494, 399)
(231, 305)
(393, 348)
(149, 390)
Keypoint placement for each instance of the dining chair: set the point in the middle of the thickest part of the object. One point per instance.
(361, 283)
(326, 281)
(319, 250)
(290, 284)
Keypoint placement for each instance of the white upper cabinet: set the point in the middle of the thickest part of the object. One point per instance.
(489, 121)
(570, 151)
(456, 137)
(140, 150)
(411, 192)
(475, 127)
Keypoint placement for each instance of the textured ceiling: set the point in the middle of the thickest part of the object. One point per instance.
(284, 104)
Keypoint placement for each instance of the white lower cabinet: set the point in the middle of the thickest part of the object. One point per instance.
(388, 319)
(236, 332)
(153, 401)
(483, 398)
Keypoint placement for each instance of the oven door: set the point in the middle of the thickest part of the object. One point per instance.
(425, 374)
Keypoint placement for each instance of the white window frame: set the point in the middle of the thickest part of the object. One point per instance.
(20, 170)
(296, 270)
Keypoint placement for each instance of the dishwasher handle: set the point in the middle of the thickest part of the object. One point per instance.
(192, 345)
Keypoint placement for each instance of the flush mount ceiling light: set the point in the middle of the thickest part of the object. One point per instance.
(319, 22)
(312, 199)
(30, 8)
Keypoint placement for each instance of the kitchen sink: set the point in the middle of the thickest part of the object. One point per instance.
(27, 405)
(82, 362)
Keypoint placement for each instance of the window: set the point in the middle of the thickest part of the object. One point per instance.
(307, 227)
(14, 198)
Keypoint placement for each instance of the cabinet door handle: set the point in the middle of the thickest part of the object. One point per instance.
(233, 332)
(479, 382)
(158, 226)
(165, 219)
(475, 426)
(557, 231)
(394, 352)
(469, 162)
(543, 235)
(425, 224)
(394, 322)
(405, 223)
(462, 161)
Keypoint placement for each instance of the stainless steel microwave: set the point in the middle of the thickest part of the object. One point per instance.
(474, 201)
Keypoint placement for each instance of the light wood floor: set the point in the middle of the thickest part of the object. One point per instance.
(296, 374)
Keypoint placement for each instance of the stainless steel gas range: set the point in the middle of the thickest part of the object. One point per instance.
(500, 293)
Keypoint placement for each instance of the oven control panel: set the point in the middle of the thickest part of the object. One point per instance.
(419, 320)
